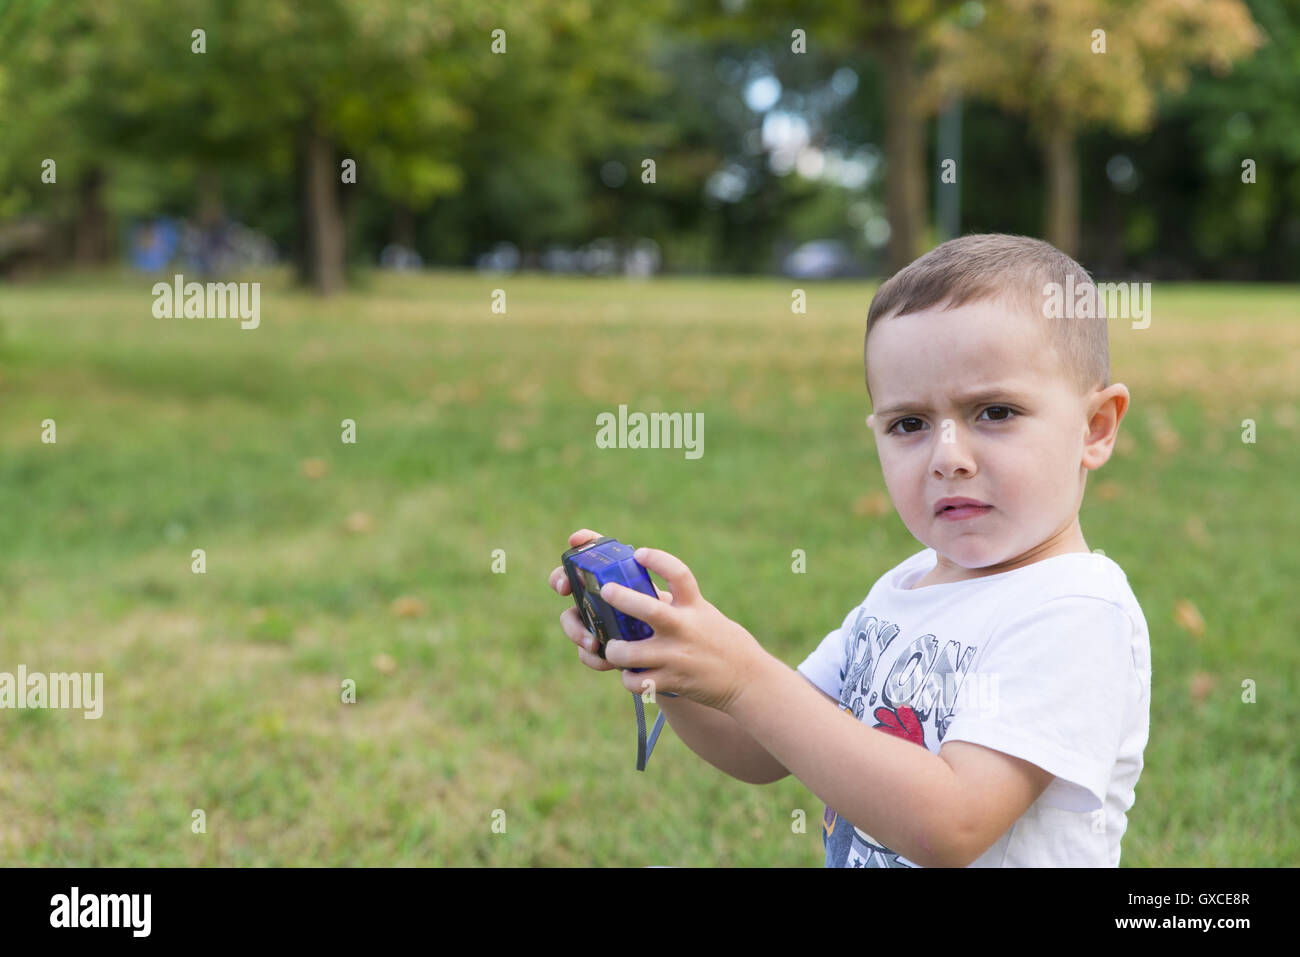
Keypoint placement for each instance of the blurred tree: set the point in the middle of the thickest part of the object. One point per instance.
(898, 34)
(458, 147)
(565, 100)
(688, 113)
(1254, 113)
(400, 88)
(299, 89)
(48, 56)
(1071, 65)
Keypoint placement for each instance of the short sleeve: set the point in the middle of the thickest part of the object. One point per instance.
(825, 666)
(1052, 688)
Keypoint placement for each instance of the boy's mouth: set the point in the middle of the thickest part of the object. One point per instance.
(956, 504)
(966, 511)
(952, 509)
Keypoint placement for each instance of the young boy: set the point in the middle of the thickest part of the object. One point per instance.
(1014, 656)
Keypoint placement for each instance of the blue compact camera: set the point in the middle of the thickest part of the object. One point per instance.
(589, 567)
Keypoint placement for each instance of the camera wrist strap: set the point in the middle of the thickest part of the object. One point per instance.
(644, 748)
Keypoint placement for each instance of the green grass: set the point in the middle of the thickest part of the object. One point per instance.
(475, 433)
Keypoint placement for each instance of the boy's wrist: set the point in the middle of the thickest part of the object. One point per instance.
(753, 677)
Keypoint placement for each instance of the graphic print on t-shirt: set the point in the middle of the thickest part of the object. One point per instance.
(903, 686)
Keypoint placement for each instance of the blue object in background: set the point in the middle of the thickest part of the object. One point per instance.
(819, 259)
(153, 244)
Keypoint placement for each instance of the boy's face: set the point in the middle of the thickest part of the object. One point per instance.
(1019, 446)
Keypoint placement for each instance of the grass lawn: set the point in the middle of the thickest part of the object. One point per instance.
(475, 432)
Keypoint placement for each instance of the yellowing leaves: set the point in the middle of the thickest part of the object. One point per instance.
(1109, 490)
(1199, 686)
(1188, 618)
(1196, 531)
(1038, 59)
(408, 607)
(873, 505)
(1163, 434)
(358, 523)
(509, 440)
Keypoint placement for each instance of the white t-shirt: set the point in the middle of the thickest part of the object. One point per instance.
(1050, 663)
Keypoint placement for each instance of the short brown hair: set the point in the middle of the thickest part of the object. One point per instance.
(993, 266)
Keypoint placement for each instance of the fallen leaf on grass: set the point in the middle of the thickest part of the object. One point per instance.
(358, 522)
(1200, 685)
(1109, 490)
(1196, 531)
(407, 607)
(873, 505)
(509, 440)
(1188, 618)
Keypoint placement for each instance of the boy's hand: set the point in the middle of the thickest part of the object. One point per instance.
(571, 621)
(696, 651)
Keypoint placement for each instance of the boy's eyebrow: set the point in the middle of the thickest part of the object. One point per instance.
(970, 398)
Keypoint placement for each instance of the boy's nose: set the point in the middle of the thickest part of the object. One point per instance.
(949, 453)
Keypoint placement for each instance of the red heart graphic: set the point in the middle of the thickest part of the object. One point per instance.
(903, 724)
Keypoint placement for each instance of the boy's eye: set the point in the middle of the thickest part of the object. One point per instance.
(1001, 418)
(910, 418)
(1006, 413)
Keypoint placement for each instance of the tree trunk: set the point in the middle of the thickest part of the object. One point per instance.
(90, 233)
(402, 230)
(323, 230)
(904, 150)
(301, 246)
(211, 210)
(1062, 163)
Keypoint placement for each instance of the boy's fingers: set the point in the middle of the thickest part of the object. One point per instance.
(585, 640)
(650, 610)
(672, 570)
(643, 653)
(559, 580)
(575, 627)
(593, 660)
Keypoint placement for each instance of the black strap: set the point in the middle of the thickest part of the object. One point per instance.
(644, 748)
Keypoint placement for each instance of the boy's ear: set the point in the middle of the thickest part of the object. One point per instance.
(871, 421)
(1108, 409)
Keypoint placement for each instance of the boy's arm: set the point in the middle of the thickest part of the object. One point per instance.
(997, 788)
(939, 810)
(715, 737)
(718, 739)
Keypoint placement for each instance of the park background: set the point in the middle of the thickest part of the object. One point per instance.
(795, 146)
